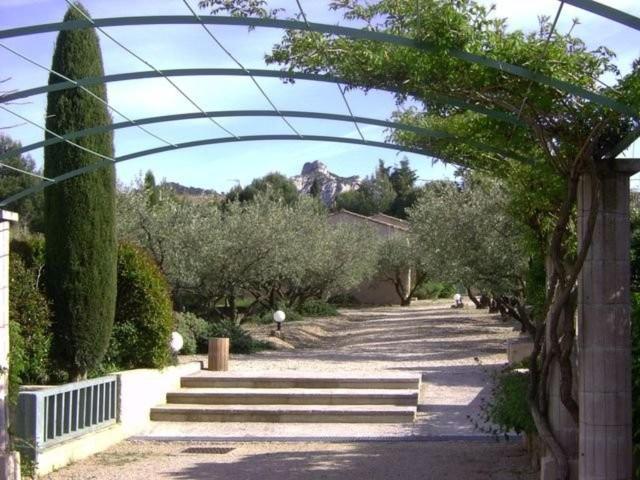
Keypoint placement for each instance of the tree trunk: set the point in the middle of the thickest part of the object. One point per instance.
(472, 297)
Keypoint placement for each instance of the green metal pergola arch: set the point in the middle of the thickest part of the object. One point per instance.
(440, 134)
(238, 72)
(349, 32)
(208, 141)
(315, 27)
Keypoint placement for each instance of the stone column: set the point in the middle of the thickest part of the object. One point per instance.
(604, 340)
(9, 461)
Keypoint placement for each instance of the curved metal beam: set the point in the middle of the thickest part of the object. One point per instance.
(237, 72)
(605, 11)
(354, 33)
(261, 113)
(198, 143)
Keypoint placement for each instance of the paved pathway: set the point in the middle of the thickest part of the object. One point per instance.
(439, 344)
(430, 340)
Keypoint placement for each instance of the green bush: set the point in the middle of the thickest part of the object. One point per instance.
(433, 290)
(448, 291)
(508, 409)
(240, 340)
(194, 330)
(29, 327)
(317, 308)
(30, 249)
(144, 320)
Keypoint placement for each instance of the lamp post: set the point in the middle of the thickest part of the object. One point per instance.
(278, 317)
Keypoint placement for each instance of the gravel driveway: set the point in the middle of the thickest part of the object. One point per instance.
(442, 345)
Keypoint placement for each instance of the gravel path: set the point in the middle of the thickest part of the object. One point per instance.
(427, 339)
(305, 461)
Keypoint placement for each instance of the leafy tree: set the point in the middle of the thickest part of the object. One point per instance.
(403, 179)
(407, 264)
(151, 188)
(79, 213)
(559, 135)
(375, 194)
(30, 209)
(469, 226)
(275, 185)
(277, 253)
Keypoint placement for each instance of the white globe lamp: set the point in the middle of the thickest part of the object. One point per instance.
(278, 317)
(177, 342)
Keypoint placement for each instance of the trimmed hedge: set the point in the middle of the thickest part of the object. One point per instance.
(144, 314)
(194, 331)
(29, 328)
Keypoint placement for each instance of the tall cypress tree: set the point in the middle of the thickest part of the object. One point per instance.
(81, 251)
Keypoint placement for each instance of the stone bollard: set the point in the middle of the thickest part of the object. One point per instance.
(218, 354)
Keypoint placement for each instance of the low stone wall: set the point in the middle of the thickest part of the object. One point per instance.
(518, 349)
(138, 391)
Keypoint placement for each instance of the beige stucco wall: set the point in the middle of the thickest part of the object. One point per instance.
(378, 291)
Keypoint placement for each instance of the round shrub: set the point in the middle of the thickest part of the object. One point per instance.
(240, 340)
(30, 326)
(317, 308)
(143, 321)
(194, 331)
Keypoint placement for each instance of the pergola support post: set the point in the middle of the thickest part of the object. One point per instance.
(9, 461)
(604, 336)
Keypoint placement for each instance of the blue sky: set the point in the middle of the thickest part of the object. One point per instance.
(222, 166)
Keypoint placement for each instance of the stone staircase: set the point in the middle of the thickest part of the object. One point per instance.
(206, 398)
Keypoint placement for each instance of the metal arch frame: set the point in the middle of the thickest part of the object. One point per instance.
(605, 11)
(236, 72)
(209, 141)
(328, 29)
(262, 113)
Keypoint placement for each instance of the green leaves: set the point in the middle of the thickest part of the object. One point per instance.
(266, 248)
(79, 213)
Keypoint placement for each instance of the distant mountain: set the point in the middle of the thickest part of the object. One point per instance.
(328, 184)
(189, 191)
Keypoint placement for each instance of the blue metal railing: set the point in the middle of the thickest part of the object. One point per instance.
(54, 414)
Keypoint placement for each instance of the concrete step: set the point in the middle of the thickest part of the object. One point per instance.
(293, 396)
(284, 413)
(235, 381)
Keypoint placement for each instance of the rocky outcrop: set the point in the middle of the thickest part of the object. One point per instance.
(328, 185)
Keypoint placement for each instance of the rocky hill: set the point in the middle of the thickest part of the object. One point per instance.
(328, 184)
(189, 191)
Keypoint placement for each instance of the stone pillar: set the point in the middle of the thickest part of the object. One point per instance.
(604, 339)
(9, 461)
